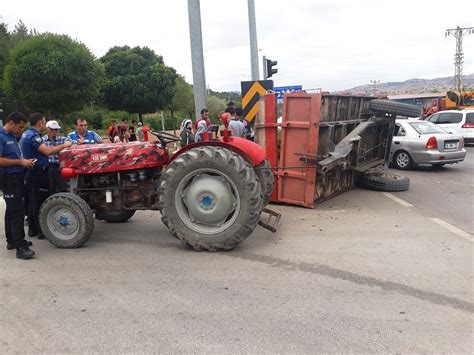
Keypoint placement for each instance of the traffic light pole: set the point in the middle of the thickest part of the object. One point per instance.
(253, 41)
(264, 67)
(197, 56)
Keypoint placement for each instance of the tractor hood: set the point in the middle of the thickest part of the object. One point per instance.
(102, 158)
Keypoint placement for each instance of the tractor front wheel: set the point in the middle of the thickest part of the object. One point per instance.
(210, 198)
(66, 220)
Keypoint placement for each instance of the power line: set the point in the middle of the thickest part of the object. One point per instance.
(458, 33)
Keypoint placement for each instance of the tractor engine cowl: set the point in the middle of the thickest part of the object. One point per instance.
(111, 157)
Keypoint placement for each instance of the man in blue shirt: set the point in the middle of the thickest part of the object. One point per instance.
(12, 168)
(82, 136)
(33, 147)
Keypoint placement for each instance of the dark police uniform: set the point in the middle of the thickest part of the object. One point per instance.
(12, 185)
(37, 177)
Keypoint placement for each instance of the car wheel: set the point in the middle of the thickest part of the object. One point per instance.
(403, 160)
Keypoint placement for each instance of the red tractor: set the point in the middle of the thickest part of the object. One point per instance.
(210, 194)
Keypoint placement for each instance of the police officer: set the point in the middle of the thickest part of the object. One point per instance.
(33, 147)
(12, 167)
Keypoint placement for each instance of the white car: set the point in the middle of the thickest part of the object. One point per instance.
(460, 122)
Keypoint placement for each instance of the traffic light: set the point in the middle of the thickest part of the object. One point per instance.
(268, 67)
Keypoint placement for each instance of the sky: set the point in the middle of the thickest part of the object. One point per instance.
(333, 45)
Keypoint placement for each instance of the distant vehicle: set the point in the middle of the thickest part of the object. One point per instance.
(460, 122)
(451, 101)
(421, 142)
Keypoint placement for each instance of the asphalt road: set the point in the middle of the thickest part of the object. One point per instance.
(447, 193)
(363, 272)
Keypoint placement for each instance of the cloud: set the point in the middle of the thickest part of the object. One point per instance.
(330, 44)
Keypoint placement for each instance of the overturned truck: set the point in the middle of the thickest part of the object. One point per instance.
(325, 144)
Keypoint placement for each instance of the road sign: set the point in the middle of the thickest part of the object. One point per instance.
(280, 90)
(251, 91)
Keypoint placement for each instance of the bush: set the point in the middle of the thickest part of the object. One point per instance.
(98, 117)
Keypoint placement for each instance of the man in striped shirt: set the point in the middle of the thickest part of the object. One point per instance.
(52, 139)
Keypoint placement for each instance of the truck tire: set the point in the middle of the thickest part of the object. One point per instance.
(395, 108)
(66, 220)
(115, 216)
(389, 182)
(210, 198)
(264, 173)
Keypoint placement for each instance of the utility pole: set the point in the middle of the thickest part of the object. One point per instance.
(458, 33)
(375, 82)
(197, 56)
(253, 41)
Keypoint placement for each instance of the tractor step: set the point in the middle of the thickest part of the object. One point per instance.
(270, 220)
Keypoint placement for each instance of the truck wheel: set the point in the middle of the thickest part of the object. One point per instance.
(66, 220)
(115, 216)
(386, 182)
(265, 175)
(395, 108)
(210, 198)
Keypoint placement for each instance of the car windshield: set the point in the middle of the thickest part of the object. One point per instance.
(426, 128)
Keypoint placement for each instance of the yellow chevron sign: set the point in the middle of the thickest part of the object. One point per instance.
(251, 91)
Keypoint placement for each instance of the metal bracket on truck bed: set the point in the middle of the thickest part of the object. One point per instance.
(272, 220)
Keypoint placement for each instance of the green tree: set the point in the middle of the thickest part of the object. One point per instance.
(216, 107)
(9, 40)
(5, 45)
(183, 100)
(137, 80)
(53, 73)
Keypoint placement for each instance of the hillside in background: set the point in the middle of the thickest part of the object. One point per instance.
(413, 86)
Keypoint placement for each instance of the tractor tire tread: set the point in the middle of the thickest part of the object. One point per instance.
(388, 183)
(202, 156)
(395, 108)
(87, 226)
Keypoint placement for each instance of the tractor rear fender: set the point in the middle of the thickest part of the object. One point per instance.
(250, 151)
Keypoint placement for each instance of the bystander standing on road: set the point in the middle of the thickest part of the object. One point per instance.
(187, 136)
(145, 129)
(132, 136)
(12, 174)
(53, 139)
(204, 117)
(112, 130)
(33, 147)
(83, 136)
(237, 127)
(201, 128)
(122, 136)
(139, 132)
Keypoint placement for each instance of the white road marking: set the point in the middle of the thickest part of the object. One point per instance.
(397, 199)
(453, 229)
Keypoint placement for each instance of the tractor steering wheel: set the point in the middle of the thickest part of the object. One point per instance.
(165, 137)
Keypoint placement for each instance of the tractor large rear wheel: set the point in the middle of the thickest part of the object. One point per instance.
(265, 176)
(210, 198)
